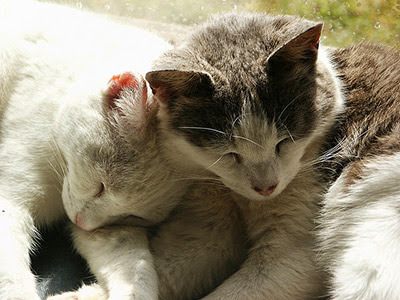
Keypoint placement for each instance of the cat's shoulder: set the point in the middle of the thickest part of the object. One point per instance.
(368, 60)
(370, 73)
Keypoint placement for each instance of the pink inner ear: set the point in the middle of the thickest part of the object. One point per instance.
(119, 82)
(315, 41)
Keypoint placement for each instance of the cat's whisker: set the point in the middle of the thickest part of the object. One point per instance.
(182, 176)
(52, 167)
(248, 140)
(345, 144)
(290, 135)
(203, 128)
(194, 179)
(191, 175)
(214, 163)
(237, 119)
(58, 158)
(59, 168)
(290, 103)
(211, 184)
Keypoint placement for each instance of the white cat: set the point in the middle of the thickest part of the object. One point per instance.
(73, 144)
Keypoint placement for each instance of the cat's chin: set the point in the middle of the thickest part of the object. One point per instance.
(123, 220)
(253, 195)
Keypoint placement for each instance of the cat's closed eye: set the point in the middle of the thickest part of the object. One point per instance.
(236, 157)
(100, 191)
(278, 146)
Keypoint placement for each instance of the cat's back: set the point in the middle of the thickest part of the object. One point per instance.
(370, 125)
(51, 54)
(371, 74)
(59, 43)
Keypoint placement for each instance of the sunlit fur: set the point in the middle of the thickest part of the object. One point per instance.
(247, 132)
(359, 222)
(60, 141)
(248, 100)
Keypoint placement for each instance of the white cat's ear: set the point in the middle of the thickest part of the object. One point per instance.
(170, 84)
(126, 100)
(302, 47)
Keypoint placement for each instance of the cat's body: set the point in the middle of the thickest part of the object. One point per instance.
(360, 218)
(73, 144)
(248, 99)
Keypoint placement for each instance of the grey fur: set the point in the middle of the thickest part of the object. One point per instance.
(241, 97)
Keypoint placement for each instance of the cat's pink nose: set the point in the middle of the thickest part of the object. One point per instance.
(79, 221)
(266, 191)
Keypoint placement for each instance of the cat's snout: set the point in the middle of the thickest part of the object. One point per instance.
(265, 191)
(79, 220)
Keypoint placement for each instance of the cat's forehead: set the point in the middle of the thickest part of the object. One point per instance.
(116, 165)
(246, 37)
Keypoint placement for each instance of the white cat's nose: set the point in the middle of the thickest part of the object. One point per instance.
(265, 191)
(83, 222)
(79, 220)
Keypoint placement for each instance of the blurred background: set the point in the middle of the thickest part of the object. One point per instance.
(346, 22)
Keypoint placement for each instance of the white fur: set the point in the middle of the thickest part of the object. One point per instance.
(194, 250)
(55, 63)
(362, 220)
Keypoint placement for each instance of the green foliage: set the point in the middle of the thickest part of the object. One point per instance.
(346, 21)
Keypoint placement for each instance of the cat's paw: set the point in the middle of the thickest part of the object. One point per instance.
(86, 292)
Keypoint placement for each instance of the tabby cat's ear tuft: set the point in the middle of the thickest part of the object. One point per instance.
(170, 84)
(302, 47)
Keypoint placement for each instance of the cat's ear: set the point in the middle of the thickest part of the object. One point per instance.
(126, 100)
(302, 47)
(122, 84)
(170, 84)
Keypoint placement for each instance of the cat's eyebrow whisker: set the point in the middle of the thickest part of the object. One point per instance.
(238, 118)
(290, 135)
(290, 103)
(249, 140)
(204, 128)
(215, 162)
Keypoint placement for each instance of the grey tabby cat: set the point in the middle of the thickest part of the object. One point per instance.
(255, 101)
(248, 99)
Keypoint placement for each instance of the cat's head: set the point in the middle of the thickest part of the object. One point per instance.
(244, 98)
(112, 172)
